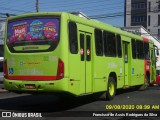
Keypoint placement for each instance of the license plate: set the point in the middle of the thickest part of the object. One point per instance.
(30, 86)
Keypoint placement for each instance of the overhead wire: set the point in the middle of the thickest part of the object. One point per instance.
(88, 9)
(91, 6)
(63, 4)
(79, 3)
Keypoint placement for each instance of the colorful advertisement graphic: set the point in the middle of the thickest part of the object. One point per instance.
(19, 31)
(36, 28)
(33, 29)
(50, 30)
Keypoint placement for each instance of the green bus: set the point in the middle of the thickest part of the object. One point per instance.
(58, 52)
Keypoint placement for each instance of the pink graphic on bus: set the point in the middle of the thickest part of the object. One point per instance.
(50, 30)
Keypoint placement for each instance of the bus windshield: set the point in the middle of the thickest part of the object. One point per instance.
(33, 34)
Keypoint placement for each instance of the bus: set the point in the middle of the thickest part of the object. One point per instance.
(58, 52)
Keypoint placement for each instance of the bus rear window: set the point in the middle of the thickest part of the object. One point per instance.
(33, 34)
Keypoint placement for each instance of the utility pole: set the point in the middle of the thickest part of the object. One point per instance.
(37, 6)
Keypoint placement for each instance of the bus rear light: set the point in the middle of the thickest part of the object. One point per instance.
(60, 69)
(5, 69)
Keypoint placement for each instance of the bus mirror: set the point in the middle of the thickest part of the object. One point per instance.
(157, 50)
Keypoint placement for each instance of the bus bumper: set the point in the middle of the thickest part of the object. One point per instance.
(36, 86)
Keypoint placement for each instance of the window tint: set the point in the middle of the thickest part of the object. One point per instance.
(119, 47)
(149, 20)
(139, 5)
(82, 46)
(98, 42)
(158, 72)
(73, 41)
(88, 48)
(1, 51)
(33, 34)
(140, 52)
(125, 52)
(109, 44)
(149, 6)
(158, 19)
(146, 51)
(137, 19)
(134, 48)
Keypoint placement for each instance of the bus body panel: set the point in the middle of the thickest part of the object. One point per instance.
(32, 65)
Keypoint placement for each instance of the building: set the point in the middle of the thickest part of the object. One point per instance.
(145, 13)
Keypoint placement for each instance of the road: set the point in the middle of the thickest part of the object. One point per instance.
(51, 105)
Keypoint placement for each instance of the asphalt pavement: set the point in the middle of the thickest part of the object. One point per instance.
(64, 109)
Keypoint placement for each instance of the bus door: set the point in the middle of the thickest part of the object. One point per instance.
(153, 64)
(126, 62)
(85, 62)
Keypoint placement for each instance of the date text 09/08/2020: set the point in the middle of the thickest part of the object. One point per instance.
(132, 107)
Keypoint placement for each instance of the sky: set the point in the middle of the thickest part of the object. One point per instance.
(108, 11)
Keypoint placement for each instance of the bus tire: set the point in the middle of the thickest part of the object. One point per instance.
(111, 89)
(145, 85)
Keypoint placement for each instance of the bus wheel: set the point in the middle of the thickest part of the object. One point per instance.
(111, 89)
(145, 85)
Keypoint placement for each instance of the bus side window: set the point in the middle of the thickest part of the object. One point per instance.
(98, 42)
(140, 49)
(134, 49)
(73, 41)
(119, 46)
(146, 51)
(109, 44)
